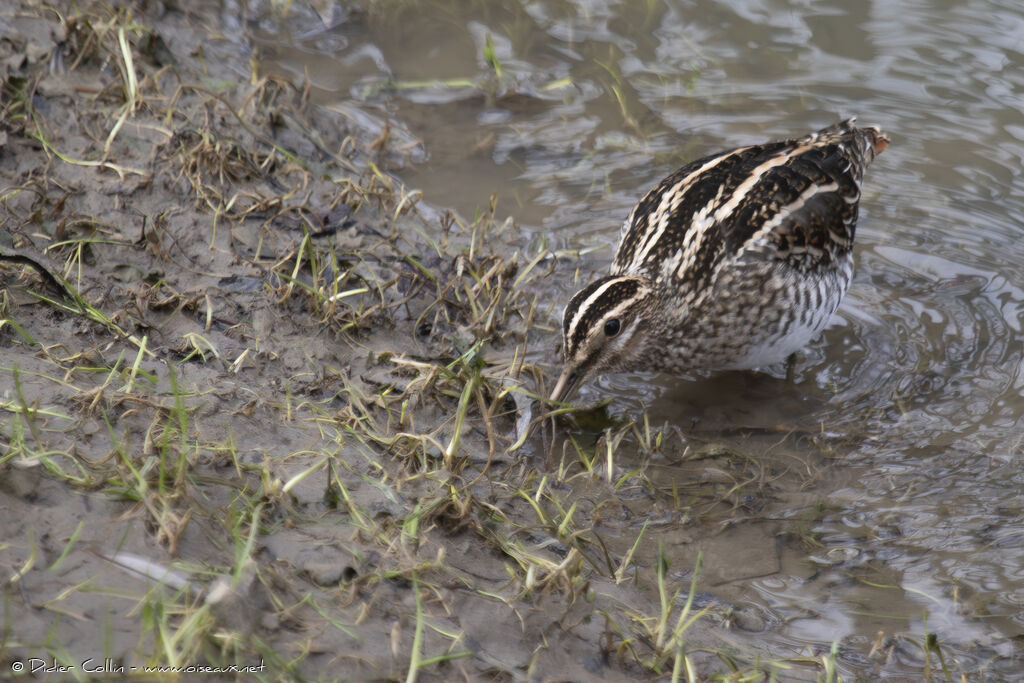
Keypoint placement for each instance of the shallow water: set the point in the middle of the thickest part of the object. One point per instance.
(918, 379)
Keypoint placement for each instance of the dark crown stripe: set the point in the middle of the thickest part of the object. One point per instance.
(594, 301)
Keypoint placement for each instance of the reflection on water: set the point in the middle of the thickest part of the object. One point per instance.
(920, 374)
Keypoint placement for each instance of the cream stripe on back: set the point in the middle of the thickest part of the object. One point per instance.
(670, 201)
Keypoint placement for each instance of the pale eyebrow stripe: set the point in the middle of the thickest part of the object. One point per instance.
(589, 301)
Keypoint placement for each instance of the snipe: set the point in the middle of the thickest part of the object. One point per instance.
(735, 261)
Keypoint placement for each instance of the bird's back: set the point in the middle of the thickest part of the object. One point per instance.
(794, 200)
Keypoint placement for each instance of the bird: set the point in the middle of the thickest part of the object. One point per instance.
(734, 262)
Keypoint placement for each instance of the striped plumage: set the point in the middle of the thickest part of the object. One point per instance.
(734, 261)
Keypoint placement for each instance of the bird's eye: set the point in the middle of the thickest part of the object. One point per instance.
(612, 327)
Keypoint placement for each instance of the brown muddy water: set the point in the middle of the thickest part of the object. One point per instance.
(274, 477)
(910, 410)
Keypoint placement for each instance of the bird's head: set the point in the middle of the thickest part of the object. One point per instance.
(605, 328)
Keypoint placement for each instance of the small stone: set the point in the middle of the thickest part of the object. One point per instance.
(325, 574)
